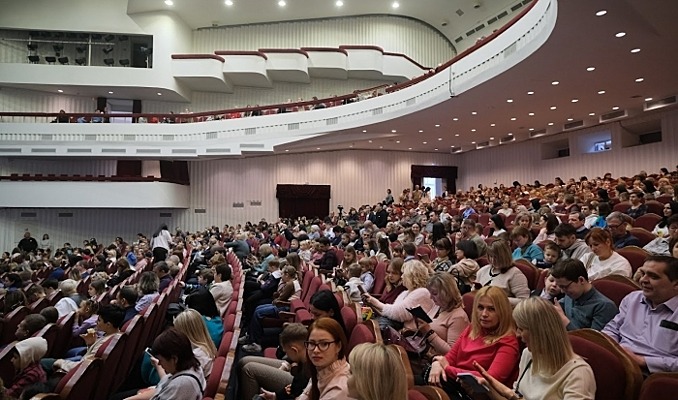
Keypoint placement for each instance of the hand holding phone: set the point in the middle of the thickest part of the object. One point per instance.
(361, 289)
(470, 380)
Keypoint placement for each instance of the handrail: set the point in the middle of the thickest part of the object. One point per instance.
(197, 117)
(240, 53)
(197, 57)
(408, 58)
(325, 49)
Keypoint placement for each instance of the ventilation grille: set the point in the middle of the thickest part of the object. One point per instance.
(200, 211)
(482, 144)
(250, 131)
(90, 137)
(613, 115)
(655, 104)
(168, 138)
(66, 215)
(293, 126)
(255, 203)
(573, 124)
(252, 146)
(459, 39)
(459, 12)
(332, 121)
(114, 150)
(238, 205)
(43, 150)
(11, 150)
(378, 111)
(184, 151)
(502, 15)
(411, 102)
(516, 7)
(492, 20)
(78, 150)
(46, 137)
(211, 135)
(148, 151)
(165, 215)
(130, 138)
(470, 33)
(218, 150)
(29, 215)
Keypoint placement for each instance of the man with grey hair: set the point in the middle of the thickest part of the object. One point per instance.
(616, 224)
(71, 300)
(240, 247)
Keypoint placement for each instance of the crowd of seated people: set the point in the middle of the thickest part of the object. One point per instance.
(530, 282)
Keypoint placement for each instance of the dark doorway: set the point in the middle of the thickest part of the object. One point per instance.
(141, 56)
(303, 200)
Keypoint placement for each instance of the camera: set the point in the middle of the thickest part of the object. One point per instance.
(476, 4)
(340, 207)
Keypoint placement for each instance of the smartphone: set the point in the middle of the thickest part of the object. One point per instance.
(148, 351)
(471, 381)
(361, 289)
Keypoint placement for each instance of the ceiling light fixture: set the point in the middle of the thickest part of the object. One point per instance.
(339, 3)
(474, 113)
(601, 13)
(493, 124)
(473, 130)
(592, 114)
(455, 119)
(531, 129)
(409, 148)
(601, 92)
(228, 3)
(395, 4)
(317, 148)
(159, 94)
(636, 50)
(530, 93)
(364, 131)
(381, 147)
(424, 142)
(473, 142)
(553, 107)
(456, 134)
(287, 149)
(591, 69)
(435, 149)
(513, 119)
(570, 119)
(509, 100)
(640, 79)
(510, 134)
(575, 100)
(369, 141)
(615, 108)
(550, 124)
(439, 139)
(531, 114)
(648, 99)
(60, 91)
(437, 125)
(620, 34)
(393, 131)
(397, 141)
(169, 2)
(554, 83)
(282, 3)
(420, 131)
(110, 92)
(491, 137)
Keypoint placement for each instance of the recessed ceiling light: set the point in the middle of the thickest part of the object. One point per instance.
(159, 94)
(424, 142)
(591, 69)
(530, 93)
(409, 148)
(456, 134)
(620, 34)
(648, 99)
(553, 107)
(339, 3)
(513, 118)
(473, 130)
(282, 3)
(493, 124)
(393, 131)
(473, 142)
(636, 50)
(395, 4)
(228, 2)
(169, 2)
(575, 100)
(510, 134)
(421, 131)
(110, 92)
(455, 119)
(550, 123)
(398, 141)
(351, 146)
(615, 108)
(474, 113)
(287, 149)
(491, 137)
(437, 125)
(509, 100)
(317, 148)
(381, 147)
(570, 119)
(364, 131)
(531, 129)
(531, 114)
(554, 83)
(640, 79)
(592, 114)
(601, 92)
(369, 141)
(435, 149)
(439, 139)
(60, 91)
(601, 13)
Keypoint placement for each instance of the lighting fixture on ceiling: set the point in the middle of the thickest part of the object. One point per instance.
(640, 79)
(395, 4)
(369, 141)
(493, 124)
(364, 131)
(620, 34)
(615, 108)
(601, 13)
(110, 92)
(455, 119)
(648, 99)
(531, 129)
(60, 91)
(159, 94)
(473, 130)
(553, 107)
(491, 137)
(592, 114)
(439, 139)
(437, 125)
(530, 93)
(409, 148)
(339, 3)
(393, 131)
(473, 142)
(228, 3)
(282, 3)
(550, 124)
(636, 50)
(601, 92)
(350, 147)
(381, 147)
(591, 69)
(513, 118)
(575, 100)
(510, 134)
(456, 134)
(287, 149)
(509, 100)
(169, 2)
(424, 142)
(435, 149)
(531, 114)
(570, 119)
(474, 113)
(397, 141)
(554, 83)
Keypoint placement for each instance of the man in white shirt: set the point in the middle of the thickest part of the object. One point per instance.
(222, 290)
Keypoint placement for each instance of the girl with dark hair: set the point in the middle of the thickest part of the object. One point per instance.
(324, 304)
(180, 374)
(547, 223)
(466, 267)
(161, 243)
(384, 253)
(327, 347)
(442, 261)
(662, 228)
(496, 225)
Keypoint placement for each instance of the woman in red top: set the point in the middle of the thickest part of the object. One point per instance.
(490, 341)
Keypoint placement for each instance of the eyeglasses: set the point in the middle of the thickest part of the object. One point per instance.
(310, 346)
(612, 226)
(564, 287)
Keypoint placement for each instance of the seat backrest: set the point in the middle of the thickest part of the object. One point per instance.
(643, 235)
(312, 289)
(610, 363)
(379, 278)
(10, 323)
(621, 207)
(405, 359)
(484, 218)
(133, 330)
(467, 299)
(530, 271)
(348, 314)
(361, 334)
(613, 290)
(50, 333)
(635, 256)
(65, 325)
(111, 353)
(82, 381)
(6, 367)
(660, 386)
(306, 282)
(431, 392)
(654, 207)
(38, 305)
(540, 280)
(215, 377)
(647, 221)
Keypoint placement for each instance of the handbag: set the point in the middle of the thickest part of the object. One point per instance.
(461, 285)
(413, 344)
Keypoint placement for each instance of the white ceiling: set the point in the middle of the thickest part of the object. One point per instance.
(433, 12)
(580, 40)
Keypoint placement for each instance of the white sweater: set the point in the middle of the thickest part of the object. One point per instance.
(408, 299)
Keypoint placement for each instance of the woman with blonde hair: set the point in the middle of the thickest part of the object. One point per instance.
(190, 323)
(490, 341)
(549, 368)
(450, 318)
(415, 278)
(502, 273)
(373, 366)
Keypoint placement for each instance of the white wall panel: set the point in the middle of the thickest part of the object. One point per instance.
(281, 92)
(392, 33)
(31, 101)
(522, 161)
(66, 166)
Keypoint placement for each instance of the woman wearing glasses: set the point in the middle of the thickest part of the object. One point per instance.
(549, 369)
(326, 349)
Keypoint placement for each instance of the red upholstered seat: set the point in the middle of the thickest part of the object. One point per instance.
(613, 290)
(348, 314)
(111, 353)
(6, 367)
(65, 325)
(660, 386)
(647, 221)
(530, 271)
(10, 323)
(379, 278)
(50, 333)
(361, 334)
(643, 235)
(635, 255)
(215, 375)
(430, 393)
(468, 299)
(654, 207)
